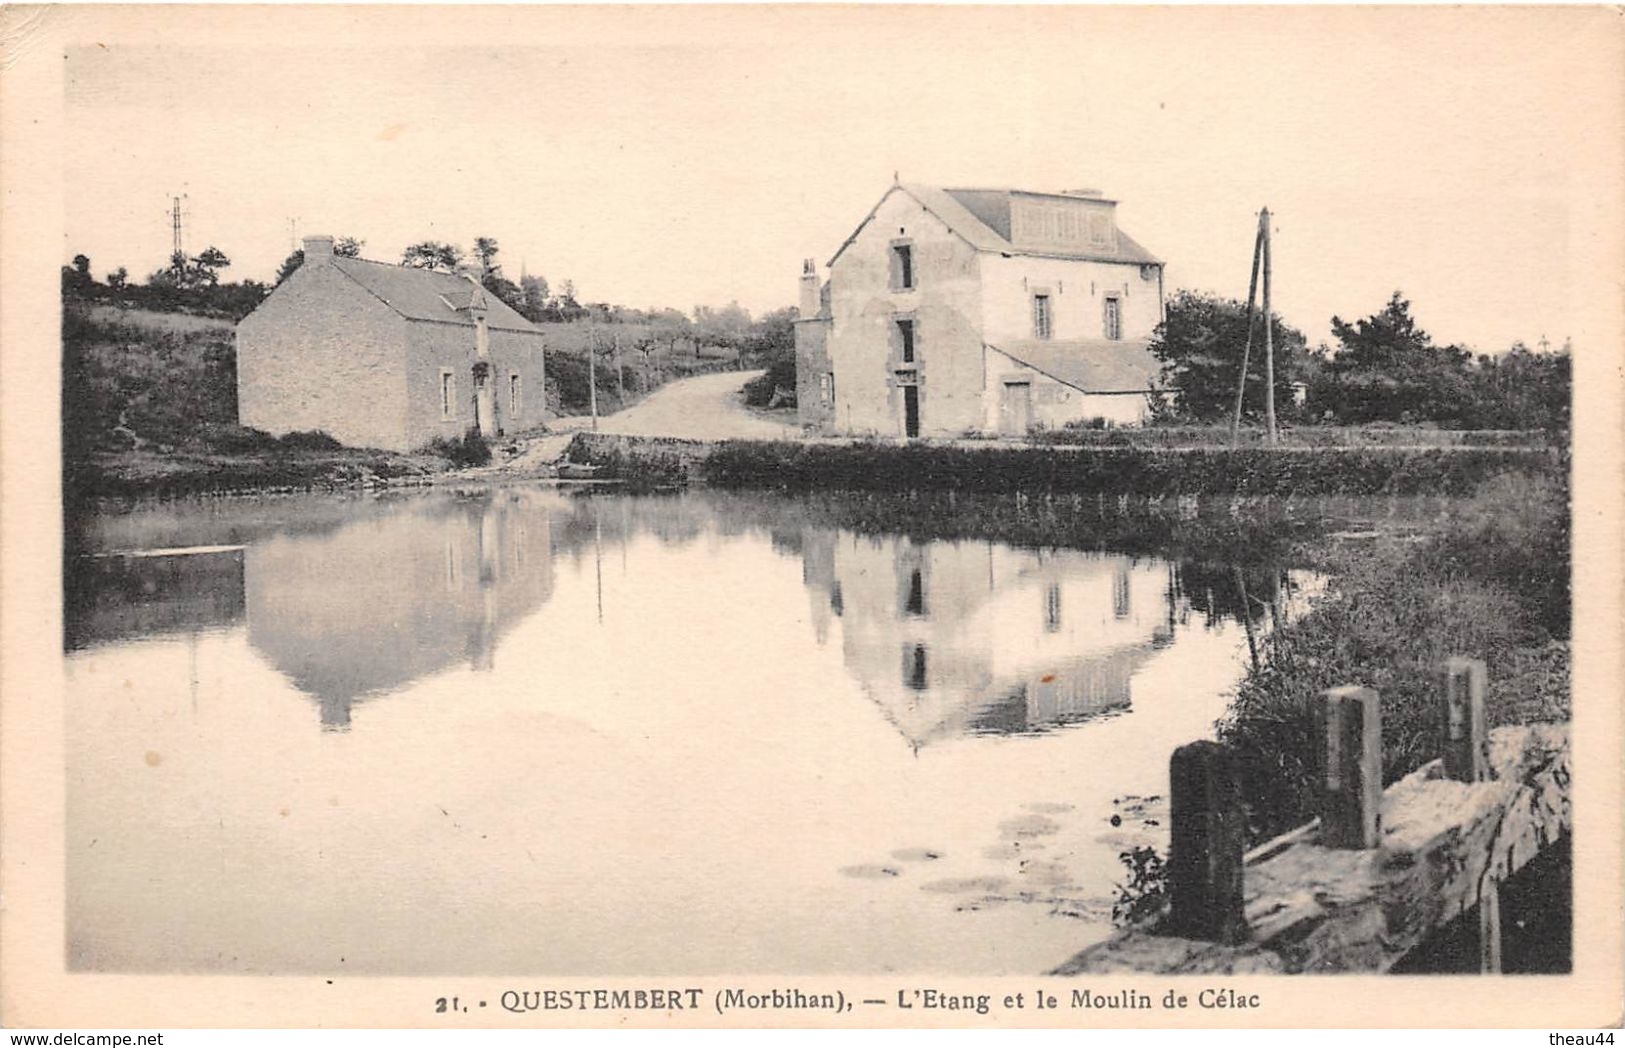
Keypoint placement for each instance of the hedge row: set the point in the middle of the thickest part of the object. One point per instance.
(790, 466)
(1298, 437)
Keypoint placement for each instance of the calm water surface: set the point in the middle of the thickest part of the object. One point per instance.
(516, 731)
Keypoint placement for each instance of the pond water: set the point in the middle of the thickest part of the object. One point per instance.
(514, 730)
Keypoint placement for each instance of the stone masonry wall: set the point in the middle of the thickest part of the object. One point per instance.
(321, 353)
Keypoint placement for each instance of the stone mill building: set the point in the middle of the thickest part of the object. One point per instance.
(955, 312)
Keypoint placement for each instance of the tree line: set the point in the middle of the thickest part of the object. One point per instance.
(194, 284)
(1383, 369)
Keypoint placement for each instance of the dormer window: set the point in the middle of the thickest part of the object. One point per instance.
(902, 265)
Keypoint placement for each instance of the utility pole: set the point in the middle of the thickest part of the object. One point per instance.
(620, 375)
(1269, 339)
(592, 379)
(1247, 349)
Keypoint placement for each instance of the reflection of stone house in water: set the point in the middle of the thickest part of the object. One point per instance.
(379, 602)
(956, 637)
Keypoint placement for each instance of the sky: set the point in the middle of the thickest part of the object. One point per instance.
(696, 155)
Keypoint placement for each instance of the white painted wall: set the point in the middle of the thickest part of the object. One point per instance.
(1078, 291)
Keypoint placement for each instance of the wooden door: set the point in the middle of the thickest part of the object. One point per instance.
(1016, 409)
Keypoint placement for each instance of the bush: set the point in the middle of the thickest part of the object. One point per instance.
(1112, 470)
(780, 373)
(236, 440)
(309, 440)
(470, 450)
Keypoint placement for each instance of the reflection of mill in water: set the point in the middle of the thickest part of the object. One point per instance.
(953, 638)
(378, 603)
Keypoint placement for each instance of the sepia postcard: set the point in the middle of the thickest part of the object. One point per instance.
(811, 516)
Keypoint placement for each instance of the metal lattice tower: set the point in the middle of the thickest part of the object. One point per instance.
(177, 222)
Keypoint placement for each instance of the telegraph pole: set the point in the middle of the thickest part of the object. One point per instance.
(1247, 349)
(592, 380)
(1269, 340)
(620, 376)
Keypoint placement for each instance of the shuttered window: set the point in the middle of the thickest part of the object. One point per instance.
(1041, 316)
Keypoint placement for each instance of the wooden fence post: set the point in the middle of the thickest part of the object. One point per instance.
(1467, 759)
(1351, 773)
(1207, 839)
(1466, 740)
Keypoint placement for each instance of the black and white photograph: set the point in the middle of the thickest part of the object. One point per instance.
(811, 516)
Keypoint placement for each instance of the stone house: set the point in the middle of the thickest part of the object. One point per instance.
(954, 312)
(385, 356)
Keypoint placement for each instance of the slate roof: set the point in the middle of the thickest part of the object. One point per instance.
(1092, 365)
(981, 218)
(425, 294)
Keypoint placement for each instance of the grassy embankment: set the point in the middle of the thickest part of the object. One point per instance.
(149, 407)
(1489, 579)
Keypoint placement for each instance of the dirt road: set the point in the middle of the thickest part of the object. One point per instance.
(705, 407)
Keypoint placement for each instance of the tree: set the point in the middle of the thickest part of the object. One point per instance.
(532, 297)
(432, 254)
(206, 267)
(1200, 343)
(1386, 368)
(485, 249)
(118, 278)
(77, 276)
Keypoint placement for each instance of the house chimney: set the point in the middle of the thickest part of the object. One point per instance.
(318, 250)
(809, 289)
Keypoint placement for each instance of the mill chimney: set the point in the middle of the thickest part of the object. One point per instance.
(809, 289)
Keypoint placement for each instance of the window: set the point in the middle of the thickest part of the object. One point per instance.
(515, 399)
(914, 675)
(448, 395)
(905, 341)
(826, 387)
(1052, 608)
(1098, 228)
(902, 267)
(915, 602)
(1114, 317)
(1041, 315)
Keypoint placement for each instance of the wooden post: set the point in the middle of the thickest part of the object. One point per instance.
(1207, 839)
(1489, 929)
(620, 375)
(592, 379)
(1269, 339)
(1467, 759)
(1466, 740)
(1247, 348)
(1351, 782)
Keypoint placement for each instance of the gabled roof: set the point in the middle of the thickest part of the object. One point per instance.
(1091, 365)
(981, 218)
(425, 294)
